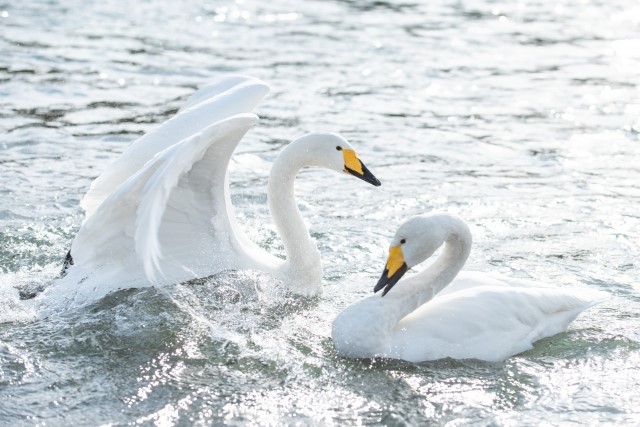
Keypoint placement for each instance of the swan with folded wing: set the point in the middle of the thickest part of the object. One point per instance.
(431, 316)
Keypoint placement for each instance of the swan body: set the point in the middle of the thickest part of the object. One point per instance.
(169, 218)
(479, 316)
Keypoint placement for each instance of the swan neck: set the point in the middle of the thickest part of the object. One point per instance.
(425, 285)
(301, 252)
(454, 255)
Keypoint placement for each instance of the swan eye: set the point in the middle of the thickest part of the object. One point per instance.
(403, 241)
(339, 148)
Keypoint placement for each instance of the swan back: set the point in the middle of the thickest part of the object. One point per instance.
(488, 323)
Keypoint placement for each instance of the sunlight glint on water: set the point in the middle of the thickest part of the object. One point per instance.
(523, 118)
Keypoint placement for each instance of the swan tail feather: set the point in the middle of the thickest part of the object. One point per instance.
(558, 318)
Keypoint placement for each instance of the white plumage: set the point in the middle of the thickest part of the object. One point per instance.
(217, 101)
(478, 316)
(162, 212)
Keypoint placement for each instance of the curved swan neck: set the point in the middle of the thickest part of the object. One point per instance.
(417, 290)
(454, 255)
(302, 253)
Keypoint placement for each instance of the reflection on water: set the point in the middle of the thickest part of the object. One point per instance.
(521, 117)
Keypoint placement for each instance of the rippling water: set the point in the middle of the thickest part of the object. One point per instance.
(522, 117)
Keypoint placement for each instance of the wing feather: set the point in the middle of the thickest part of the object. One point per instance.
(215, 102)
(219, 87)
(128, 228)
(490, 322)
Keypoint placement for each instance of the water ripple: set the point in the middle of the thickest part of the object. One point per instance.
(521, 117)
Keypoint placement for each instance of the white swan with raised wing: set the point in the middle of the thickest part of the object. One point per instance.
(163, 214)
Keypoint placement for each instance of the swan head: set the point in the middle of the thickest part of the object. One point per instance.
(415, 241)
(332, 151)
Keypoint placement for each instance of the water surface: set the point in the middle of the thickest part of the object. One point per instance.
(521, 117)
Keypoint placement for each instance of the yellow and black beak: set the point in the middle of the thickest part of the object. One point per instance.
(354, 166)
(393, 270)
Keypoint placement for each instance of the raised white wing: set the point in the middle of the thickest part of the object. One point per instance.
(231, 85)
(172, 216)
(217, 101)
